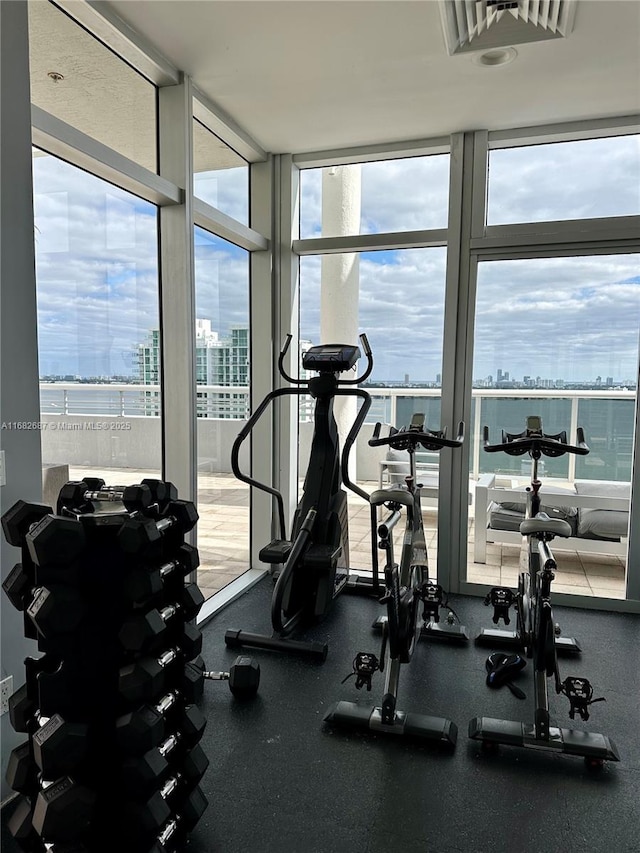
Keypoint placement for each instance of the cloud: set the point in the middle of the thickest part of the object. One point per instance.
(572, 318)
(565, 180)
(568, 318)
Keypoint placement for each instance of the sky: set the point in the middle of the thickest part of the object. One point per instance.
(569, 318)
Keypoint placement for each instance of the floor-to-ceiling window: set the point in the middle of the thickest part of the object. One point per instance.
(99, 352)
(96, 260)
(393, 294)
(556, 335)
(222, 388)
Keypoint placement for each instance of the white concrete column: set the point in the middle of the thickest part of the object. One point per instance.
(340, 275)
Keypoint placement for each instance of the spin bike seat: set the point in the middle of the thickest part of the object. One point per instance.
(399, 496)
(543, 524)
(501, 668)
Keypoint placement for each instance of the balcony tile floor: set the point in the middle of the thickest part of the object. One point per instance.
(223, 541)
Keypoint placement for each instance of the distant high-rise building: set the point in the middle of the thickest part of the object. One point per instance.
(218, 362)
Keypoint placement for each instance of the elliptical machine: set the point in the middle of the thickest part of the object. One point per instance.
(315, 558)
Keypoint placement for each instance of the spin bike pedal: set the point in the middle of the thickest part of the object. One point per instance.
(431, 595)
(365, 664)
(500, 598)
(579, 692)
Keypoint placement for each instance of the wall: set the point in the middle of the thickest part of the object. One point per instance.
(18, 348)
(77, 440)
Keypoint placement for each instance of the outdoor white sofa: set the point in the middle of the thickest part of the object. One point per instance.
(597, 510)
(395, 467)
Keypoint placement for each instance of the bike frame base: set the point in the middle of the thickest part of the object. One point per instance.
(589, 745)
(510, 639)
(236, 639)
(354, 716)
(362, 584)
(433, 630)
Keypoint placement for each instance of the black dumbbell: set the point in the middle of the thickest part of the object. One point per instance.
(63, 810)
(22, 709)
(243, 677)
(22, 773)
(145, 728)
(142, 820)
(162, 492)
(55, 747)
(139, 534)
(175, 830)
(18, 587)
(20, 826)
(55, 539)
(23, 703)
(143, 774)
(53, 609)
(143, 583)
(79, 497)
(142, 680)
(190, 640)
(139, 630)
(59, 746)
(18, 519)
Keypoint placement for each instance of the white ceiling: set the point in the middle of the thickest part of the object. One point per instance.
(304, 75)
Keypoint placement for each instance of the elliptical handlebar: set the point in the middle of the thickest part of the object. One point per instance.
(517, 444)
(365, 346)
(367, 351)
(401, 439)
(283, 372)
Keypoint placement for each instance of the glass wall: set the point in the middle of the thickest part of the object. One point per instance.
(98, 321)
(564, 180)
(220, 175)
(558, 337)
(222, 386)
(409, 194)
(401, 310)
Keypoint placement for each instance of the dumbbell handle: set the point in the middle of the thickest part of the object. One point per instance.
(217, 676)
(169, 744)
(168, 657)
(106, 493)
(164, 705)
(172, 784)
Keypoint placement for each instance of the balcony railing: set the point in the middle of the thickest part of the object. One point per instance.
(607, 415)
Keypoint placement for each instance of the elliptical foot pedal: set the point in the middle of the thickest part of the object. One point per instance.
(276, 551)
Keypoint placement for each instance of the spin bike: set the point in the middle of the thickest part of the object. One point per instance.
(315, 558)
(536, 634)
(407, 586)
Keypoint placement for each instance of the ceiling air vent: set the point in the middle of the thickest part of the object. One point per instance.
(471, 25)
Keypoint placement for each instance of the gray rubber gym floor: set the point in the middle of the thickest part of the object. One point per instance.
(281, 782)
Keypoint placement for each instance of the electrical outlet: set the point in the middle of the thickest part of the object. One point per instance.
(6, 689)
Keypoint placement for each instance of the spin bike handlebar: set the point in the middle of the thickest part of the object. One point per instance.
(517, 444)
(365, 346)
(401, 439)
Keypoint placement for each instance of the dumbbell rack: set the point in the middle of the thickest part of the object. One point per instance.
(112, 757)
